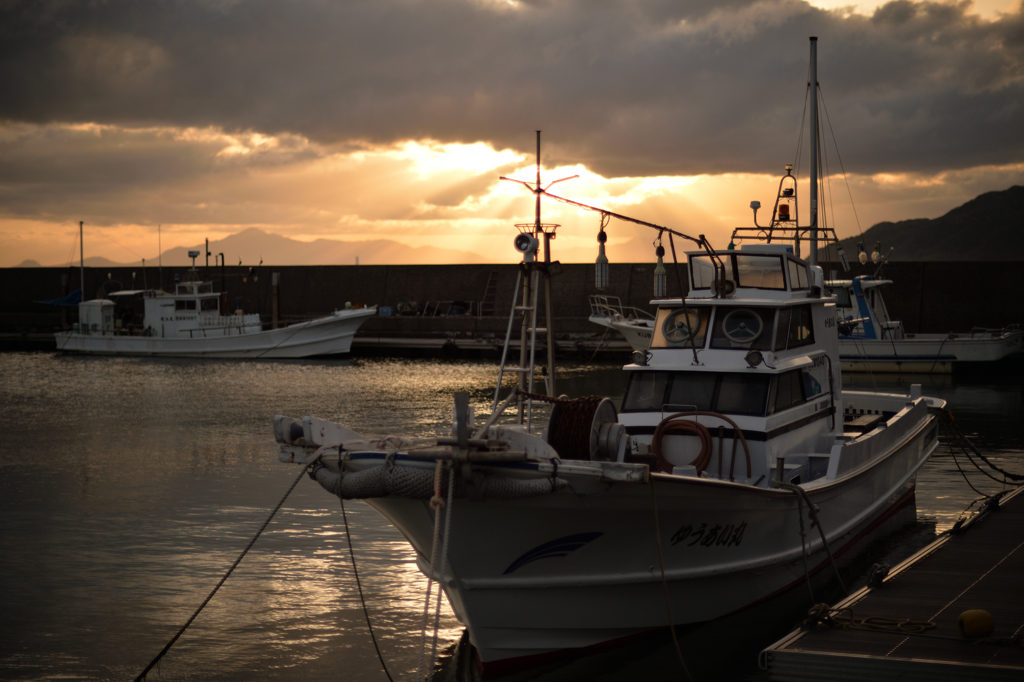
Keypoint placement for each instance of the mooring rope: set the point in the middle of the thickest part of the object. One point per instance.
(163, 652)
(359, 585)
(955, 434)
(436, 503)
(812, 512)
(664, 582)
(445, 537)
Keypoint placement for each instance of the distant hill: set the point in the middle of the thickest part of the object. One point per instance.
(252, 245)
(988, 227)
(28, 264)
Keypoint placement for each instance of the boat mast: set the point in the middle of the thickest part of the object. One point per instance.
(813, 253)
(81, 256)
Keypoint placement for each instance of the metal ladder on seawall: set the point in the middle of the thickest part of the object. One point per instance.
(528, 344)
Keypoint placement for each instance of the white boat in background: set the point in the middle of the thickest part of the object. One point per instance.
(689, 503)
(870, 341)
(192, 322)
(636, 325)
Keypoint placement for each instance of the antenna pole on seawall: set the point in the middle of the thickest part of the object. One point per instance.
(81, 255)
(813, 253)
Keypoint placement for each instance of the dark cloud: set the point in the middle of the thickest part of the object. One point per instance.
(627, 88)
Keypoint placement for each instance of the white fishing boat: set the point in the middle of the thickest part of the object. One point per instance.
(694, 500)
(636, 325)
(192, 322)
(871, 341)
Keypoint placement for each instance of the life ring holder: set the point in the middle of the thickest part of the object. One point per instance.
(675, 424)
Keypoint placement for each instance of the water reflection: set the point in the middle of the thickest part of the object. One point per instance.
(130, 485)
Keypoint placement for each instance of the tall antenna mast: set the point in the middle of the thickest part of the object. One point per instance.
(813, 255)
(81, 255)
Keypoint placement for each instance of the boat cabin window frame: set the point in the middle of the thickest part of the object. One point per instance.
(671, 327)
(749, 270)
(208, 304)
(739, 393)
(735, 328)
(185, 305)
(799, 277)
(795, 328)
(844, 296)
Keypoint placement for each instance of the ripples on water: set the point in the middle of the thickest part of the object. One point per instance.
(129, 486)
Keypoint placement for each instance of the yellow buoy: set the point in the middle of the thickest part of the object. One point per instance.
(975, 623)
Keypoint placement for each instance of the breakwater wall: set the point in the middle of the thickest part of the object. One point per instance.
(926, 296)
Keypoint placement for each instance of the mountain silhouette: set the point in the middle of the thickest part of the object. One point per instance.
(253, 245)
(988, 227)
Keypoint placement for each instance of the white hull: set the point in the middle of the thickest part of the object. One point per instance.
(331, 335)
(603, 582)
(637, 334)
(927, 353)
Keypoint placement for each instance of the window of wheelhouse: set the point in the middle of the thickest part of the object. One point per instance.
(188, 304)
(842, 295)
(747, 270)
(208, 304)
(795, 328)
(797, 274)
(789, 391)
(727, 392)
(680, 327)
(743, 328)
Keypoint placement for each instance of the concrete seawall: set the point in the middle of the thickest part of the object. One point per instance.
(927, 297)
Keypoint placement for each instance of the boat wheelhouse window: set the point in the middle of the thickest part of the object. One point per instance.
(728, 392)
(812, 386)
(674, 327)
(795, 328)
(842, 297)
(189, 304)
(797, 275)
(789, 391)
(747, 270)
(743, 328)
(208, 304)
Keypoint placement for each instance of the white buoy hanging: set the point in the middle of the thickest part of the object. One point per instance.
(660, 276)
(876, 255)
(601, 267)
(842, 256)
(861, 255)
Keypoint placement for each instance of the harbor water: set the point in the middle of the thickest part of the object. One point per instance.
(129, 486)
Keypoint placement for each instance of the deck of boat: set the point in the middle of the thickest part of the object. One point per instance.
(980, 567)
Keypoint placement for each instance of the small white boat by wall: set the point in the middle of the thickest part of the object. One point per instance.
(189, 323)
(636, 325)
(870, 341)
(688, 504)
(192, 322)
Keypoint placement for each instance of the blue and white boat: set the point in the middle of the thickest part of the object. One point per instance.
(871, 341)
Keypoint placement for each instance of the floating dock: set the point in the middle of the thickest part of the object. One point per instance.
(979, 566)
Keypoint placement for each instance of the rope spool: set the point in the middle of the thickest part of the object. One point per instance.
(574, 429)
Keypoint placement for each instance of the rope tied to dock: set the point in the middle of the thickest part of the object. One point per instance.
(821, 615)
(954, 434)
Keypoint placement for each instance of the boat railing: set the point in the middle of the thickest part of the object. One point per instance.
(611, 307)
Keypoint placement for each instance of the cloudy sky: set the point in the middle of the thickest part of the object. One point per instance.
(371, 119)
